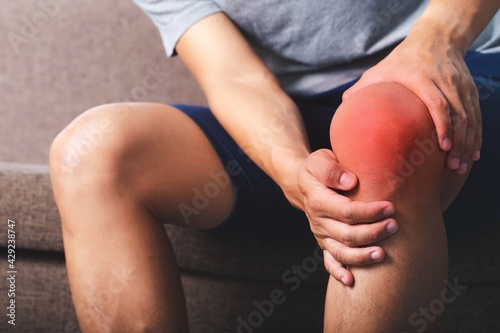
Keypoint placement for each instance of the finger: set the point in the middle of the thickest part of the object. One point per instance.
(459, 93)
(329, 205)
(359, 85)
(439, 110)
(470, 132)
(459, 120)
(337, 270)
(324, 166)
(366, 79)
(343, 209)
(474, 129)
(353, 256)
(361, 234)
(478, 137)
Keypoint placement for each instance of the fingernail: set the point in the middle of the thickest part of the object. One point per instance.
(476, 156)
(375, 256)
(343, 279)
(463, 168)
(346, 179)
(391, 228)
(455, 163)
(446, 144)
(388, 211)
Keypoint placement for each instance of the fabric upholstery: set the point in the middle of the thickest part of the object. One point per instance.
(27, 199)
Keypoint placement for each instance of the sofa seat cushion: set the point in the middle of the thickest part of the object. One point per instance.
(27, 199)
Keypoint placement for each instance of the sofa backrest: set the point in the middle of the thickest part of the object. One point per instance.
(59, 58)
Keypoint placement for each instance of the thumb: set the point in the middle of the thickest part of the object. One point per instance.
(325, 167)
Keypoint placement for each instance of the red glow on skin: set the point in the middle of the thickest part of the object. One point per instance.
(376, 128)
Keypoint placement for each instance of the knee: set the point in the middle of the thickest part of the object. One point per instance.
(385, 135)
(93, 147)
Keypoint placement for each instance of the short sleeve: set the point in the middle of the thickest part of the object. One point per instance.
(174, 17)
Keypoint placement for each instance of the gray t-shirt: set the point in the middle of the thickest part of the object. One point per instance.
(311, 46)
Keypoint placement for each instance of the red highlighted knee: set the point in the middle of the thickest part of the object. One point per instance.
(385, 135)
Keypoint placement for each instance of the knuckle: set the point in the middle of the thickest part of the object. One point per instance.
(348, 238)
(317, 229)
(340, 257)
(338, 254)
(330, 171)
(471, 123)
(450, 77)
(314, 208)
(373, 236)
(348, 214)
(320, 243)
(469, 105)
(346, 94)
(439, 103)
(459, 118)
(314, 224)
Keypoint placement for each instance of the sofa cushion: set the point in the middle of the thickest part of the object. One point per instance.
(27, 199)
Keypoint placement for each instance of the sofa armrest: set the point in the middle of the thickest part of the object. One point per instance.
(27, 199)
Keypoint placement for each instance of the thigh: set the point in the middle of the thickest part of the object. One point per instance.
(260, 211)
(191, 184)
(152, 153)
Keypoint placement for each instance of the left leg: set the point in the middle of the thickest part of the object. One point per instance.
(385, 135)
(113, 205)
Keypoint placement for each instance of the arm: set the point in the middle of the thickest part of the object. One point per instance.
(249, 103)
(430, 63)
(460, 22)
(245, 97)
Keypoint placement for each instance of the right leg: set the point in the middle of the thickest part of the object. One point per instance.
(119, 172)
(385, 135)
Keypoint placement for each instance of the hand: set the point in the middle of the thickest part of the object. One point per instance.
(431, 66)
(342, 226)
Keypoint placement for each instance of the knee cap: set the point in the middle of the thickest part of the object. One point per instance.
(384, 133)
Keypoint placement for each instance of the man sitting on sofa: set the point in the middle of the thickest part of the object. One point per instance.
(403, 142)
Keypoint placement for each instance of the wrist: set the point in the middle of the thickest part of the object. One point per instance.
(456, 22)
(443, 29)
(287, 177)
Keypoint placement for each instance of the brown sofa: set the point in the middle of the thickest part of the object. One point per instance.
(59, 58)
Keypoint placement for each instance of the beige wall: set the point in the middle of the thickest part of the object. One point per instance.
(61, 57)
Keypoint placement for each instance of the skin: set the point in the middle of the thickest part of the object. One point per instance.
(430, 63)
(119, 258)
(384, 133)
(119, 195)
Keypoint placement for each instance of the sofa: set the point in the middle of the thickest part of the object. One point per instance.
(60, 58)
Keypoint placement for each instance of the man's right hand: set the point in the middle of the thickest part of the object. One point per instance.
(343, 228)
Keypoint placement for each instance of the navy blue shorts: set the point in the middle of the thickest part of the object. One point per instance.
(262, 211)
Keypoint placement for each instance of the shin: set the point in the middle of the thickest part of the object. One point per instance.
(385, 135)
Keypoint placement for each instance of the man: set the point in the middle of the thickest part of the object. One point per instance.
(264, 70)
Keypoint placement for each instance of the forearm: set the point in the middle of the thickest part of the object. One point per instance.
(459, 21)
(246, 99)
(266, 123)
